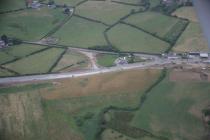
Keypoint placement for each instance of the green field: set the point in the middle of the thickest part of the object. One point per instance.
(37, 63)
(21, 24)
(6, 5)
(106, 60)
(191, 40)
(71, 61)
(22, 50)
(137, 2)
(68, 2)
(105, 11)
(154, 23)
(81, 33)
(4, 57)
(18, 51)
(4, 73)
(126, 38)
(174, 110)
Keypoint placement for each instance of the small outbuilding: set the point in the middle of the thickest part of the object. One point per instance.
(204, 55)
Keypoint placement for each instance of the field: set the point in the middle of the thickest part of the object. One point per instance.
(81, 33)
(5, 73)
(68, 2)
(71, 61)
(5, 57)
(186, 12)
(135, 2)
(21, 25)
(126, 38)
(71, 105)
(37, 63)
(106, 60)
(191, 40)
(7, 5)
(176, 110)
(166, 27)
(105, 11)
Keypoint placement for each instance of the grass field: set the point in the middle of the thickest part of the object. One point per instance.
(22, 50)
(5, 57)
(71, 61)
(21, 24)
(81, 33)
(153, 22)
(126, 38)
(7, 5)
(37, 63)
(106, 60)
(105, 11)
(5, 73)
(68, 2)
(137, 2)
(71, 105)
(191, 40)
(186, 12)
(174, 109)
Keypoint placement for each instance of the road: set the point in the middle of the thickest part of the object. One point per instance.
(156, 62)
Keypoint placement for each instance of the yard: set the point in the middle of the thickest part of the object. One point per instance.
(105, 11)
(68, 2)
(106, 60)
(82, 33)
(36, 63)
(127, 38)
(176, 110)
(21, 25)
(4, 57)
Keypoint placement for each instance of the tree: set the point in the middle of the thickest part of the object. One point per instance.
(5, 39)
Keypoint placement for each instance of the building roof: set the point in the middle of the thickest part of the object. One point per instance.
(204, 55)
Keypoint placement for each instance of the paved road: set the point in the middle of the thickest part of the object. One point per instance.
(145, 65)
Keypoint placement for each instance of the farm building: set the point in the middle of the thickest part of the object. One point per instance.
(204, 55)
(2, 44)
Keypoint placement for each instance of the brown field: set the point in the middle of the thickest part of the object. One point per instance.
(102, 84)
(188, 76)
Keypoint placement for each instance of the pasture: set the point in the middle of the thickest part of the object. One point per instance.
(192, 40)
(106, 60)
(187, 13)
(105, 11)
(82, 33)
(22, 50)
(176, 110)
(127, 38)
(68, 2)
(4, 73)
(4, 57)
(36, 63)
(21, 25)
(71, 61)
(157, 24)
(7, 5)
